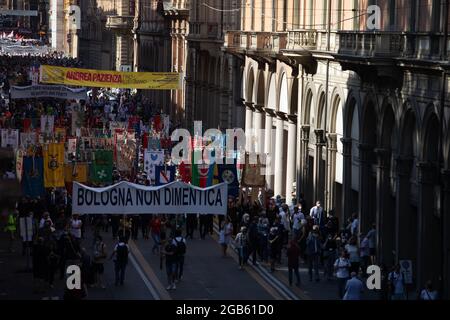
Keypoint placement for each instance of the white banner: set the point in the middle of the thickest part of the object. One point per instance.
(10, 138)
(48, 91)
(128, 198)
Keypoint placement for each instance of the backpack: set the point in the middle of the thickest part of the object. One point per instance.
(181, 247)
(122, 254)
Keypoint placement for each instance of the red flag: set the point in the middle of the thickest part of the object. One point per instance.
(157, 124)
(145, 140)
(26, 124)
(185, 172)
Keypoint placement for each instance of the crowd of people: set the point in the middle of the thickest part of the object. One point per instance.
(269, 231)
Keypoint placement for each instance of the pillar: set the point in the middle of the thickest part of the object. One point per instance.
(366, 196)
(384, 215)
(268, 148)
(331, 172)
(291, 155)
(248, 125)
(257, 126)
(404, 222)
(346, 180)
(445, 176)
(426, 174)
(278, 188)
(319, 186)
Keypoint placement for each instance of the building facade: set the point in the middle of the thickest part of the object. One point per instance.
(360, 116)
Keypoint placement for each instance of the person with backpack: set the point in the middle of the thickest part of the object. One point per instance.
(180, 244)
(120, 255)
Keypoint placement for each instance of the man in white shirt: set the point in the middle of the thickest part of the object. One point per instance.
(316, 213)
(342, 268)
(297, 221)
(354, 288)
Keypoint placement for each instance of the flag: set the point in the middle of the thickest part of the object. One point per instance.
(10, 138)
(166, 125)
(60, 134)
(134, 123)
(228, 173)
(27, 139)
(125, 151)
(202, 175)
(75, 172)
(19, 164)
(102, 166)
(154, 143)
(164, 174)
(185, 172)
(27, 124)
(157, 123)
(47, 124)
(151, 159)
(54, 165)
(32, 178)
(71, 145)
(252, 174)
(145, 140)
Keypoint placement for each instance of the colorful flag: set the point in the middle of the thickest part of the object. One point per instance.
(164, 174)
(71, 145)
(202, 175)
(19, 164)
(154, 143)
(10, 138)
(152, 158)
(60, 134)
(185, 172)
(102, 166)
(28, 139)
(125, 151)
(27, 124)
(54, 165)
(76, 172)
(33, 178)
(228, 173)
(157, 123)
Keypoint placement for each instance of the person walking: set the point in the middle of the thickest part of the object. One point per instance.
(75, 227)
(329, 256)
(372, 237)
(342, 268)
(155, 232)
(354, 288)
(293, 255)
(317, 214)
(180, 244)
(120, 255)
(313, 253)
(274, 239)
(354, 255)
(364, 252)
(225, 235)
(11, 227)
(297, 222)
(241, 241)
(253, 240)
(170, 255)
(98, 261)
(263, 233)
(396, 281)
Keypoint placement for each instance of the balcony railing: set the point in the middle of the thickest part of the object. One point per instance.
(120, 22)
(256, 41)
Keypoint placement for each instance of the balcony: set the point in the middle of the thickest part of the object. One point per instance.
(120, 23)
(256, 42)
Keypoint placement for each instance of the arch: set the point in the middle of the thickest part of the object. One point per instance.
(272, 95)
(430, 150)
(293, 106)
(368, 130)
(283, 94)
(249, 86)
(320, 110)
(409, 135)
(260, 95)
(307, 106)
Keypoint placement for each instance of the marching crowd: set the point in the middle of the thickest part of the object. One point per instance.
(269, 231)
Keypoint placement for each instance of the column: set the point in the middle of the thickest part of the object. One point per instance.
(279, 157)
(248, 125)
(346, 180)
(331, 172)
(190, 75)
(224, 108)
(257, 125)
(268, 148)
(426, 174)
(384, 221)
(445, 176)
(319, 186)
(305, 129)
(291, 155)
(403, 223)
(366, 197)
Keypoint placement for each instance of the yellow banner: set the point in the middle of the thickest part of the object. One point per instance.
(110, 79)
(54, 165)
(76, 172)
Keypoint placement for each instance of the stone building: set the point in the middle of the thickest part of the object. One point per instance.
(358, 114)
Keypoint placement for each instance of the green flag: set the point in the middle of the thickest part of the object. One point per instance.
(102, 166)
